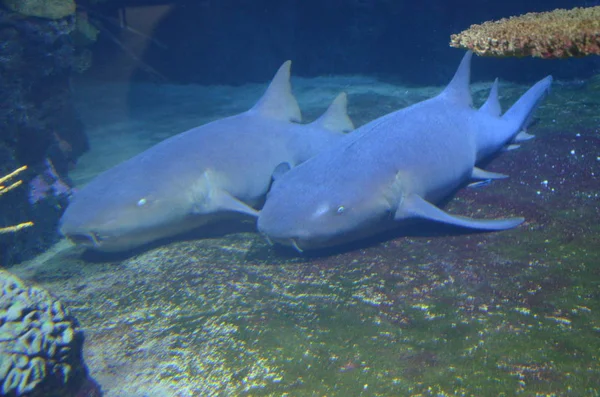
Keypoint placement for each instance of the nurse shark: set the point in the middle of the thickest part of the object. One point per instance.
(397, 167)
(202, 175)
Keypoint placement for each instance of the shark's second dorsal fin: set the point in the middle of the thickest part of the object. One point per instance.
(458, 90)
(492, 104)
(336, 117)
(278, 102)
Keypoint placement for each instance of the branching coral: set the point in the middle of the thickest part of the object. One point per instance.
(555, 34)
(5, 189)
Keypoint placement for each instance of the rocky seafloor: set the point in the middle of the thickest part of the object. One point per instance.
(431, 313)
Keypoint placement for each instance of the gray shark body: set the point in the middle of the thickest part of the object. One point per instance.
(395, 167)
(201, 175)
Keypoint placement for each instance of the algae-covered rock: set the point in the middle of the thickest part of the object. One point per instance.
(51, 9)
(40, 343)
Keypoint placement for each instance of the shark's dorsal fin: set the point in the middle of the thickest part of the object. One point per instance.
(492, 104)
(278, 102)
(458, 90)
(336, 117)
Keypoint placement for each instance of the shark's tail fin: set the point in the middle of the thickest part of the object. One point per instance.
(278, 102)
(520, 114)
(336, 117)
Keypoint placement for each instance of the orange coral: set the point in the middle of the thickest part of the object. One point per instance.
(554, 34)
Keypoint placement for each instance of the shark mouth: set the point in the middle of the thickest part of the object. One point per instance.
(86, 239)
(291, 241)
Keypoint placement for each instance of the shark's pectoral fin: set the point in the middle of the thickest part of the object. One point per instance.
(223, 201)
(211, 198)
(417, 207)
(478, 173)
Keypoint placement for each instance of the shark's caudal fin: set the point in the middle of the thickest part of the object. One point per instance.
(519, 115)
(336, 117)
(492, 104)
(278, 102)
(458, 90)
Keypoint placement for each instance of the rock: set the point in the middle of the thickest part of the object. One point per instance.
(50, 9)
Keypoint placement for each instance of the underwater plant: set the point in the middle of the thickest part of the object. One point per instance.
(6, 189)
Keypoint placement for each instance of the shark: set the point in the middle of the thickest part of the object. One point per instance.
(216, 171)
(396, 168)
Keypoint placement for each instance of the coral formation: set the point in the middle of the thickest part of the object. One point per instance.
(50, 9)
(5, 189)
(555, 34)
(40, 343)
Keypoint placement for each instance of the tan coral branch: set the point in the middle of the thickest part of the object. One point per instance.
(15, 228)
(554, 34)
(12, 174)
(5, 189)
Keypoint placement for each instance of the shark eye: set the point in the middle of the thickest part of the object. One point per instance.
(341, 209)
(142, 202)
